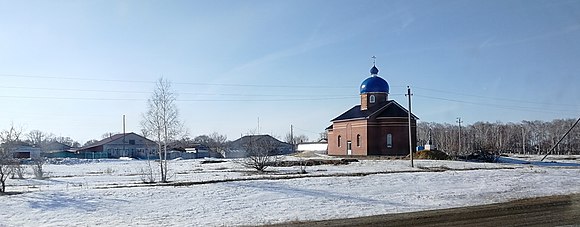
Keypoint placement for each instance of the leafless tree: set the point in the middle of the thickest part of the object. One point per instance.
(530, 137)
(148, 174)
(7, 164)
(260, 152)
(67, 141)
(295, 139)
(218, 143)
(215, 141)
(161, 121)
(323, 136)
(11, 135)
(38, 168)
(18, 171)
(202, 139)
(8, 139)
(90, 142)
(109, 134)
(36, 137)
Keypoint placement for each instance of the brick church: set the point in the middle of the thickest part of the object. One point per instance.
(378, 126)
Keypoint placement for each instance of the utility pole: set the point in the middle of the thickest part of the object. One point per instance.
(292, 137)
(523, 140)
(124, 135)
(459, 142)
(410, 134)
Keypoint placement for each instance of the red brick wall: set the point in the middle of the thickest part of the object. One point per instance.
(398, 128)
(373, 137)
(379, 99)
(348, 131)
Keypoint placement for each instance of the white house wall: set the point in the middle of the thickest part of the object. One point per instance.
(318, 147)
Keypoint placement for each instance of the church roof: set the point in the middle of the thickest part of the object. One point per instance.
(390, 109)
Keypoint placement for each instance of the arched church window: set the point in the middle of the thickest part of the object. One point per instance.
(338, 141)
(372, 99)
(389, 140)
(358, 140)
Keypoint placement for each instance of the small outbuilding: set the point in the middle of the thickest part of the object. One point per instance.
(24, 150)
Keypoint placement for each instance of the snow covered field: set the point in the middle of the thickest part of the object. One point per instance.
(110, 192)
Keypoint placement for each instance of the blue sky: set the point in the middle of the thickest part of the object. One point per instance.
(74, 68)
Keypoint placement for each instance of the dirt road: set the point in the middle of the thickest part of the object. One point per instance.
(542, 211)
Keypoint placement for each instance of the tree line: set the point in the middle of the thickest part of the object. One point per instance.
(525, 137)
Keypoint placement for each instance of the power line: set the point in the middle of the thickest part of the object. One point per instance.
(510, 107)
(179, 100)
(148, 92)
(70, 98)
(235, 85)
(183, 83)
(263, 100)
(301, 129)
(496, 98)
(72, 89)
(318, 98)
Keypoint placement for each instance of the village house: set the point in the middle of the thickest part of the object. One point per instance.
(120, 145)
(21, 150)
(56, 149)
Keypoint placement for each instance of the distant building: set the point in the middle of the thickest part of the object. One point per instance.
(55, 146)
(120, 145)
(22, 150)
(57, 150)
(199, 151)
(239, 148)
(316, 147)
(378, 126)
(193, 151)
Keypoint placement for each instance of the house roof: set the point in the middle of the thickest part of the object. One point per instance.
(390, 109)
(54, 145)
(16, 144)
(111, 139)
(239, 143)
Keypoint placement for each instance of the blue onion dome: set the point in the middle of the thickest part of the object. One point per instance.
(374, 83)
(374, 70)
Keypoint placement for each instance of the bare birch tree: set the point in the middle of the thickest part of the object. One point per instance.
(161, 121)
(6, 167)
(8, 139)
(529, 137)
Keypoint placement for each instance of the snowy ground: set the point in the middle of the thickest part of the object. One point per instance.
(110, 192)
